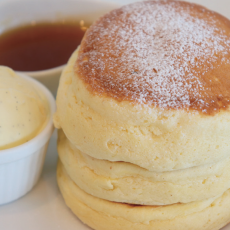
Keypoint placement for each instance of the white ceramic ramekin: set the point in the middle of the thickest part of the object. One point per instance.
(21, 166)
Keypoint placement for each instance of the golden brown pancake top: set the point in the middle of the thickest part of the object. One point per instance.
(169, 54)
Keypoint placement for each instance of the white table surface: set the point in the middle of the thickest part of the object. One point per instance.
(43, 208)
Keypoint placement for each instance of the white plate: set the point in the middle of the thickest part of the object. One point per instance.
(44, 208)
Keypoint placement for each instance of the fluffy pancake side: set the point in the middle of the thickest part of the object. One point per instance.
(155, 139)
(128, 183)
(211, 214)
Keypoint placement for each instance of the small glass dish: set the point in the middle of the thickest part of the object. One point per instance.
(15, 13)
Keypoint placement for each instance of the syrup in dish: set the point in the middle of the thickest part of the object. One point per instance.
(40, 46)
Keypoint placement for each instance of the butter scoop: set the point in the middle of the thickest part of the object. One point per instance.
(23, 110)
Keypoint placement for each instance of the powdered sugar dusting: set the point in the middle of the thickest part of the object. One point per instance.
(152, 53)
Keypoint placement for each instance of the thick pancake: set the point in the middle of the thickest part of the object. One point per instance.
(169, 54)
(125, 182)
(211, 214)
(155, 139)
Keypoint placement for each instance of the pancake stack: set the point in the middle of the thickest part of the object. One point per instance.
(144, 120)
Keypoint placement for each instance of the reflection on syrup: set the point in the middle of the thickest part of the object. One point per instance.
(40, 46)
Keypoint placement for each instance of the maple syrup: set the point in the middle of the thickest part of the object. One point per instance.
(40, 46)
